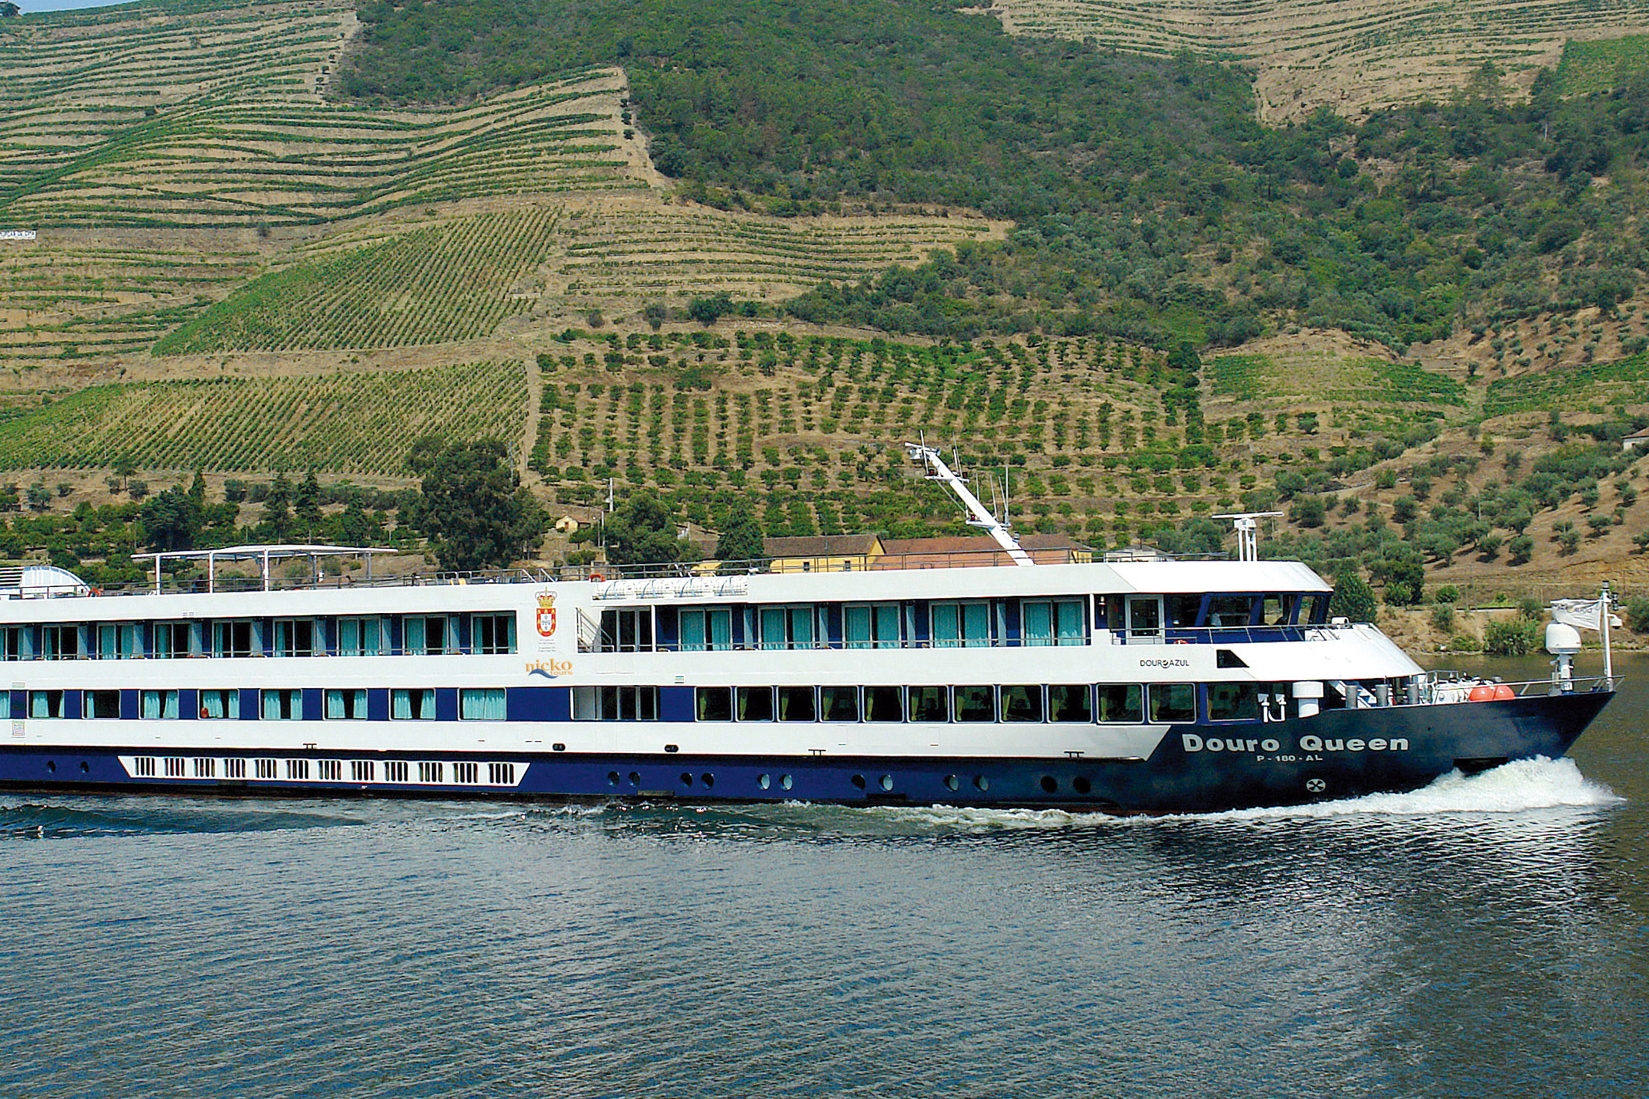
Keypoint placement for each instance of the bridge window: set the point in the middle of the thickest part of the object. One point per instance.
(412, 704)
(1230, 610)
(157, 705)
(1278, 610)
(873, 626)
(1054, 622)
(709, 629)
(1313, 609)
(962, 625)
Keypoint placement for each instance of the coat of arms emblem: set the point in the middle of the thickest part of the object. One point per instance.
(546, 614)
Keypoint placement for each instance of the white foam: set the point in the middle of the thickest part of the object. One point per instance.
(1523, 786)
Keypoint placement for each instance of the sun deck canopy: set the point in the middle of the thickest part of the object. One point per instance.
(263, 555)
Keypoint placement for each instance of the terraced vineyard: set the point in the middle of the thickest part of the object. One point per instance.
(1348, 55)
(360, 423)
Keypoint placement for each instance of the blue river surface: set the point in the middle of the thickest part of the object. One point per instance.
(1487, 936)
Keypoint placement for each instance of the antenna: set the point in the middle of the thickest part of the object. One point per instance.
(1246, 524)
(979, 516)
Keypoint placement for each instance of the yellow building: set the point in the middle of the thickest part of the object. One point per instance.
(824, 553)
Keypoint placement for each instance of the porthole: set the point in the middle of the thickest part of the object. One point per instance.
(1049, 786)
(635, 779)
(708, 779)
(85, 768)
(764, 781)
(981, 783)
(951, 783)
(885, 782)
(558, 747)
(686, 779)
(1081, 785)
(612, 778)
(51, 766)
(672, 748)
(784, 782)
(859, 781)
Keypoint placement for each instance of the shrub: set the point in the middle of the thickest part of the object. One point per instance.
(1465, 643)
(1442, 617)
(1517, 638)
(1637, 613)
(1448, 593)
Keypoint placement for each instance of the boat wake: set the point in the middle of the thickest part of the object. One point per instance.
(1520, 787)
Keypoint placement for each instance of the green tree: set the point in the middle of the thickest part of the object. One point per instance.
(306, 508)
(473, 507)
(170, 520)
(642, 531)
(741, 536)
(1353, 598)
(277, 510)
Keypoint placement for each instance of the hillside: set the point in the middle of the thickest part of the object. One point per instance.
(743, 251)
(1350, 56)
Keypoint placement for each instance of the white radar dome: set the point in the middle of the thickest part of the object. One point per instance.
(1561, 639)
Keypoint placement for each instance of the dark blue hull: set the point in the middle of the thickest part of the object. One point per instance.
(1196, 768)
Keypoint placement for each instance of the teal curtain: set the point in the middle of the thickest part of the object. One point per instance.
(887, 626)
(721, 629)
(772, 628)
(692, 631)
(947, 628)
(1039, 629)
(1069, 614)
(856, 626)
(481, 704)
(976, 625)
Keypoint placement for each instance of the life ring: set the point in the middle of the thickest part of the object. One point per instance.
(596, 578)
(1182, 641)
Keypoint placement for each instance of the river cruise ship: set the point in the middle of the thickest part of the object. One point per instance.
(1122, 686)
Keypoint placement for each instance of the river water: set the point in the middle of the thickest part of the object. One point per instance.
(1484, 937)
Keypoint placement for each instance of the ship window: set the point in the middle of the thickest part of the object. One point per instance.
(1230, 610)
(118, 641)
(1233, 702)
(219, 704)
(395, 770)
(231, 638)
(1022, 703)
(60, 642)
(975, 703)
(839, 703)
(1122, 702)
(431, 772)
(1054, 622)
(962, 625)
(296, 768)
(157, 705)
(1182, 610)
(174, 766)
(714, 703)
(329, 770)
(494, 634)
(412, 704)
(797, 704)
(481, 704)
(5, 704)
(706, 630)
(426, 635)
(234, 768)
(45, 703)
(264, 768)
(1070, 702)
(627, 630)
(1278, 610)
(362, 770)
(345, 705)
(755, 703)
(503, 774)
(360, 636)
(172, 639)
(873, 626)
(100, 704)
(615, 703)
(294, 637)
(284, 705)
(786, 627)
(1313, 609)
(884, 704)
(928, 703)
(144, 766)
(1110, 610)
(1173, 701)
(14, 643)
(469, 774)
